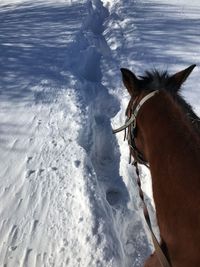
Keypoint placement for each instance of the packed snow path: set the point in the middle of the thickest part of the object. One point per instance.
(67, 194)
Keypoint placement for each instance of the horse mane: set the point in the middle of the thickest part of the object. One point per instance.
(156, 80)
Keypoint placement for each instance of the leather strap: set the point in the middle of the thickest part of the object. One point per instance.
(132, 119)
(143, 100)
(159, 252)
(161, 256)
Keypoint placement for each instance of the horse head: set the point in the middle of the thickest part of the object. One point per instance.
(142, 88)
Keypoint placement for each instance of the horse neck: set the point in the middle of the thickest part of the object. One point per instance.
(164, 129)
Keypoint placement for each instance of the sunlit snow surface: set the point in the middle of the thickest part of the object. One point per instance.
(67, 194)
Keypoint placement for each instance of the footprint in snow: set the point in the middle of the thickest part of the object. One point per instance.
(29, 159)
(113, 197)
(30, 172)
(54, 143)
(77, 163)
(12, 248)
(41, 171)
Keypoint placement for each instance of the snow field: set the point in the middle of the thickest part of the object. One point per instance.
(68, 196)
(63, 200)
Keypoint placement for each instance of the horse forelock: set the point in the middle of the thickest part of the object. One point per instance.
(156, 80)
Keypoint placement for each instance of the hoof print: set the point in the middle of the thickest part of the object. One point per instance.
(113, 197)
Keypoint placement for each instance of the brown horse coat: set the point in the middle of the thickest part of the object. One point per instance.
(172, 147)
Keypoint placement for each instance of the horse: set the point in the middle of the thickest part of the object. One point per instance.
(164, 131)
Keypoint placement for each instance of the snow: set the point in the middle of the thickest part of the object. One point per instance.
(67, 194)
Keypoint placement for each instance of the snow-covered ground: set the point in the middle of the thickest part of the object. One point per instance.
(67, 194)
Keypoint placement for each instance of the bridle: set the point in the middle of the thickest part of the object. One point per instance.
(131, 125)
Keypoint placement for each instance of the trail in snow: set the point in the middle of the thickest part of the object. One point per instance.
(101, 146)
(41, 199)
(63, 200)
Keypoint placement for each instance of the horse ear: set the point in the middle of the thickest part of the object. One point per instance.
(130, 81)
(180, 77)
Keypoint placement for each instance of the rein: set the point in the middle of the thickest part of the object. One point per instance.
(139, 158)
